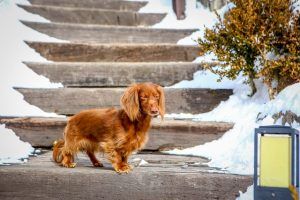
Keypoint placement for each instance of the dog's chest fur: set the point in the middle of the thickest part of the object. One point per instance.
(136, 137)
(137, 141)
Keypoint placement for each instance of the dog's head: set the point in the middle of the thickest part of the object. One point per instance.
(143, 98)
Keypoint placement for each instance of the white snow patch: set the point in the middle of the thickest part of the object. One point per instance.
(288, 99)
(207, 79)
(248, 195)
(141, 162)
(12, 149)
(297, 7)
(13, 73)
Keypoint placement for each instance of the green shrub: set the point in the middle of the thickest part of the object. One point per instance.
(246, 37)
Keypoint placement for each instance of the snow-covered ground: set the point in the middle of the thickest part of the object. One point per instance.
(14, 73)
(236, 154)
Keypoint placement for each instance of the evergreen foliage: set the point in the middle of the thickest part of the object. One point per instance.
(260, 39)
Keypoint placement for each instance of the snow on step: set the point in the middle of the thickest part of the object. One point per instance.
(104, 4)
(169, 134)
(96, 74)
(164, 177)
(108, 34)
(94, 16)
(80, 52)
(72, 100)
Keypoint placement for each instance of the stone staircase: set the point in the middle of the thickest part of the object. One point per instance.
(112, 46)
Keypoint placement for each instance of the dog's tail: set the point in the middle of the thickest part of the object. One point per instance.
(57, 150)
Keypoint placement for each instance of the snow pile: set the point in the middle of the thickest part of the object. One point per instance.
(14, 73)
(236, 154)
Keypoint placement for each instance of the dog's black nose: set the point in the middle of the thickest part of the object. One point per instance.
(154, 112)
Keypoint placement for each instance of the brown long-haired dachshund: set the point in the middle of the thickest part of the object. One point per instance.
(115, 132)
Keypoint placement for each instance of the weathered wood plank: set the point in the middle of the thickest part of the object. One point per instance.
(80, 52)
(163, 178)
(103, 4)
(108, 34)
(72, 100)
(41, 132)
(94, 16)
(114, 74)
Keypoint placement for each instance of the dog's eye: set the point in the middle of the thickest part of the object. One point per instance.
(156, 97)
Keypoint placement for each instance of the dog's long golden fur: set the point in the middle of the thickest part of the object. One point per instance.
(115, 132)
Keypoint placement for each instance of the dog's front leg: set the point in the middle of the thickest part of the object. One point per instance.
(119, 162)
(125, 161)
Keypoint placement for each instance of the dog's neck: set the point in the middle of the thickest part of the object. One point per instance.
(142, 124)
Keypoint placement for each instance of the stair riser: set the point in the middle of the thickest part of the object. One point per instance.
(95, 16)
(104, 34)
(159, 138)
(67, 52)
(114, 75)
(103, 4)
(67, 184)
(72, 100)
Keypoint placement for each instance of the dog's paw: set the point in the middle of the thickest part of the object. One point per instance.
(124, 169)
(98, 164)
(69, 165)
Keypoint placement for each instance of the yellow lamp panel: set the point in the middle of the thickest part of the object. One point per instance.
(275, 161)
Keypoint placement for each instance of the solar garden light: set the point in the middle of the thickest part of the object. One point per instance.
(276, 163)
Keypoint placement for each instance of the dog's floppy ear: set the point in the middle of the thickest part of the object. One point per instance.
(130, 102)
(161, 104)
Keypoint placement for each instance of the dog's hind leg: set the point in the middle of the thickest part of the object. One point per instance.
(68, 152)
(68, 160)
(93, 159)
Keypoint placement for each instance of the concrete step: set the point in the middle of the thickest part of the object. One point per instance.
(94, 16)
(108, 34)
(108, 74)
(69, 101)
(165, 177)
(163, 135)
(103, 4)
(80, 52)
